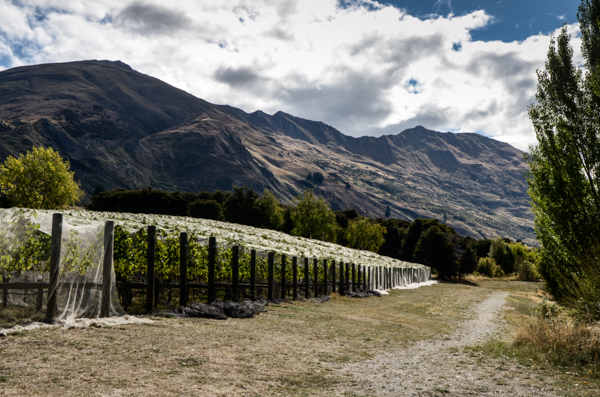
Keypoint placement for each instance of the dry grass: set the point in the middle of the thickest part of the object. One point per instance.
(293, 349)
(564, 341)
(557, 352)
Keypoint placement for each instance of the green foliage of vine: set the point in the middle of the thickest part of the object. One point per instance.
(77, 257)
(131, 258)
(23, 247)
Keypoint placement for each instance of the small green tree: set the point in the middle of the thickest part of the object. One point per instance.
(363, 234)
(205, 209)
(313, 218)
(467, 262)
(489, 267)
(318, 177)
(500, 251)
(434, 250)
(39, 179)
(272, 210)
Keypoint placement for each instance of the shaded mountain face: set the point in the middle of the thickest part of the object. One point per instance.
(121, 128)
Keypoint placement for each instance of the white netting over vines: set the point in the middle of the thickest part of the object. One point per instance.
(25, 240)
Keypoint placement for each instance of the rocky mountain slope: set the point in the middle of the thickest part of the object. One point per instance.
(121, 128)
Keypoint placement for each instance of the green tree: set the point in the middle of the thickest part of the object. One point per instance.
(488, 267)
(242, 207)
(39, 179)
(434, 250)
(272, 210)
(468, 262)
(313, 218)
(206, 209)
(564, 176)
(501, 252)
(363, 234)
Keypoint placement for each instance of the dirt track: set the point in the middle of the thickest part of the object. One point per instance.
(442, 367)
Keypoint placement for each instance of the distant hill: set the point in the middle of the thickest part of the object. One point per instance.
(121, 128)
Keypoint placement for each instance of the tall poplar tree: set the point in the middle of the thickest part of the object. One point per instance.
(564, 176)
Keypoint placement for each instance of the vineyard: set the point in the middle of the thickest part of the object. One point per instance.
(150, 265)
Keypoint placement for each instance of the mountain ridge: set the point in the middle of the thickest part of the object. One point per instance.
(121, 128)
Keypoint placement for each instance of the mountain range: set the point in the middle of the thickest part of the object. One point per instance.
(121, 128)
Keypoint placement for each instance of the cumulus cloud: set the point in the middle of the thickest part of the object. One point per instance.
(151, 19)
(362, 67)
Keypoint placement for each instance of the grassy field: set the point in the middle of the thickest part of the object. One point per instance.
(294, 348)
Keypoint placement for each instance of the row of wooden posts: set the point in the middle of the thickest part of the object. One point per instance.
(351, 276)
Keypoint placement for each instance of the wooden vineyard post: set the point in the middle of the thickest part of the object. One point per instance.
(150, 261)
(56, 240)
(342, 286)
(316, 274)
(283, 260)
(353, 277)
(347, 278)
(271, 275)
(5, 279)
(109, 240)
(39, 299)
(387, 277)
(183, 262)
(333, 280)
(253, 274)
(212, 260)
(235, 273)
(306, 279)
(295, 273)
(325, 289)
(358, 277)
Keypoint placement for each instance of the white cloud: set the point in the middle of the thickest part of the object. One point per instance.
(365, 68)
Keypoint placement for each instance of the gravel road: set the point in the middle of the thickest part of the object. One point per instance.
(440, 367)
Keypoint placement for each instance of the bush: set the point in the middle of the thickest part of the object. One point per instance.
(526, 271)
(502, 253)
(467, 262)
(561, 339)
(489, 267)
(435, 250)
(206, 209)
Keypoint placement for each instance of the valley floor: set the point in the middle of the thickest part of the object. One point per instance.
(425, 342)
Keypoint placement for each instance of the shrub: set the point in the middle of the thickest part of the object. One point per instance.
(526, 271)
(501, 252)
(206, 209)
(435, 250)
(561, 339)
(489, 267)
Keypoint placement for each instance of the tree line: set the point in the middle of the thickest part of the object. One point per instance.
(426, 241)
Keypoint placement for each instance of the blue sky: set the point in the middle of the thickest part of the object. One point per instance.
(362, 66)
(512, 19)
